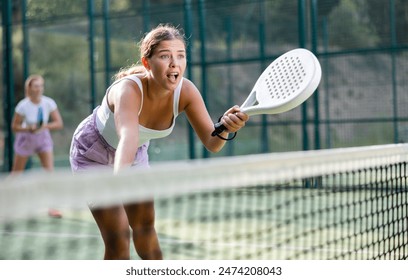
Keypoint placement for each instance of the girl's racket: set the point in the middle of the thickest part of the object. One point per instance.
(285, 84)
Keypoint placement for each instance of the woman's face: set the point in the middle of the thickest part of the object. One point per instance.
(168, 63)
(36, 88)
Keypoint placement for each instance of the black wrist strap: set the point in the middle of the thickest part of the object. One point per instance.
(219, 128)
(227, 139)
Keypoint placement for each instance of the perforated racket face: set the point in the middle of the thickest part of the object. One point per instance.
(286, 78)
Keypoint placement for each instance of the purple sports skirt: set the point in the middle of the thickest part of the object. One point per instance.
(90, 150)
(28, 144)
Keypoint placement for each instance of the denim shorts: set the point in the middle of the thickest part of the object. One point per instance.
(90, 150)
(28, 144)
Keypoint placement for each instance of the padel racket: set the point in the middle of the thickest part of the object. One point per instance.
(285, 84)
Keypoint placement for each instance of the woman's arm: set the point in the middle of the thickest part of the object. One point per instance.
(197, 114)
(56, 121)
(17, 124)
(125, 99)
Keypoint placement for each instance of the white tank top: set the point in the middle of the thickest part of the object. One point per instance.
(106, 124)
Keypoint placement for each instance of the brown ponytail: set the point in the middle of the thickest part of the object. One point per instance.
(133, 69)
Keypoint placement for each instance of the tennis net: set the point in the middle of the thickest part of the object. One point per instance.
(349, 203)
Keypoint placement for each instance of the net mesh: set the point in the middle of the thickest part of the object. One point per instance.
(349, 203)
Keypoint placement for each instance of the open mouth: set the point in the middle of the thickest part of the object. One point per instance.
(173, 76)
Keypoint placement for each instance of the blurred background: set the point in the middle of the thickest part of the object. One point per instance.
(78, 46)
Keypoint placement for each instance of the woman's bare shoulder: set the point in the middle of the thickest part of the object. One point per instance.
(189, 94)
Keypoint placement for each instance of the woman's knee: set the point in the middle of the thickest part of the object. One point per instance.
(141, 216)
(117, 244)
(115, 232)
(47, 160)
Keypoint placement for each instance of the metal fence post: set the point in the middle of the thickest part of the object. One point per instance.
(314, 33)
(264, 121)
(8, 82)
(394, 70)
(302, 44)
(188, 23)
(91, 8)
(203, 54)
(106, 29)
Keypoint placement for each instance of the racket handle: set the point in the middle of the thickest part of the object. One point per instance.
(218, 128)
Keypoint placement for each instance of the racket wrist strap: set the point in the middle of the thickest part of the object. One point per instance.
(217, 133)
(227, 139)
